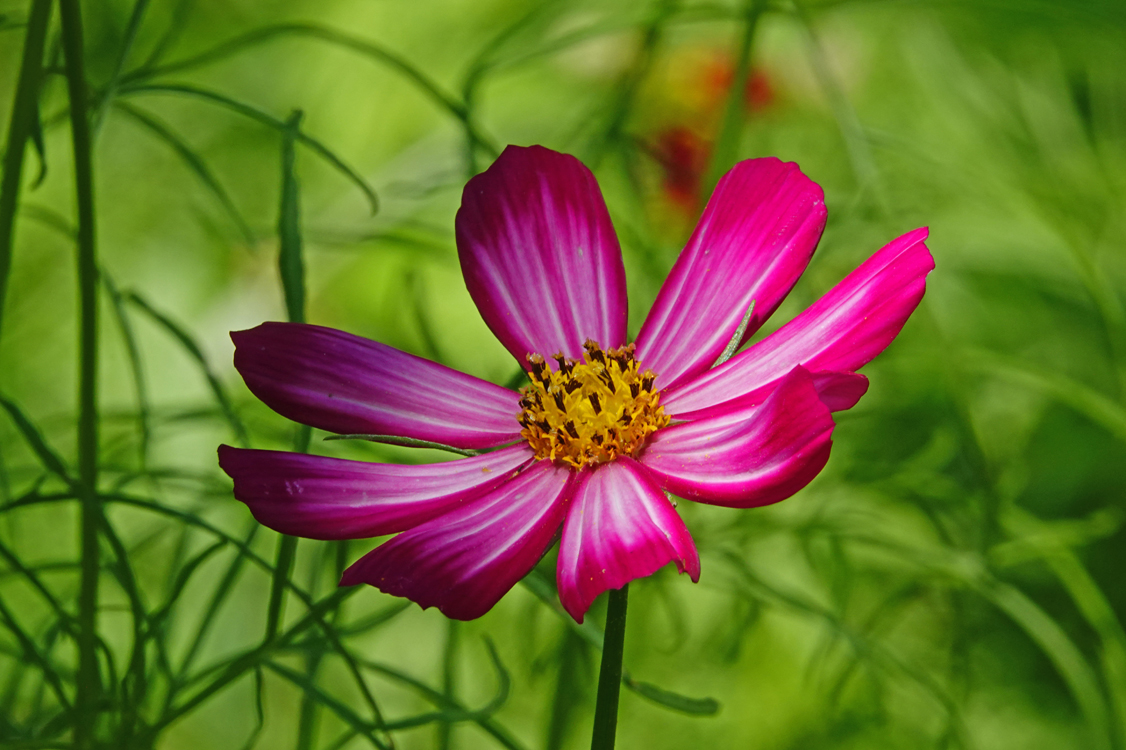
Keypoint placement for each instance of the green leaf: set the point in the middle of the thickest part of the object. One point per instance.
(669, 699)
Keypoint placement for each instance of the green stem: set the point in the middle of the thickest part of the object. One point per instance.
(449, 680)
(25, 109)
(86, 699)
(292, 268)
(610, 673)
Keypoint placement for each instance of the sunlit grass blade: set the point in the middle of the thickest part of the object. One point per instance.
(1063, 653)
(192, 348)
(196, 163)
(1092, 603)
(258, 115)
(1087, 401)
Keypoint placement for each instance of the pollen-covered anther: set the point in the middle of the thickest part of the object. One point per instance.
(589, 412)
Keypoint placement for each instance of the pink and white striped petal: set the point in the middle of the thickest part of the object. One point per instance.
(620, 526)
(839, 333)
(463, 562)
(755, 238)
(540, 256)
(331, 498)
(343, 383)
(749, 456)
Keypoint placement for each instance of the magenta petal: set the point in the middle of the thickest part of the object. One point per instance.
(840, 390)
(837, 390)
(620, 526)
(330, 498)
(540, 256)
(841, 332)
(463, 562)
(343, 383)
(748, 456)
(755, 238)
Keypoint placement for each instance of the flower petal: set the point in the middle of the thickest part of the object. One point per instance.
(841, 332)
(343, 383)
(620, 526)
(748, 456)
(755, 238)
(837, 390)
(540, 256)
(464, 561)
(331, 498)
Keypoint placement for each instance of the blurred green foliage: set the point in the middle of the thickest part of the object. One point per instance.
(953, 579)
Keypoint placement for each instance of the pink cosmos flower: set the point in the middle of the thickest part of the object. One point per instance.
(605, 429)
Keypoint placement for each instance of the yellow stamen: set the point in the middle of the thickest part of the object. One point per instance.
(590, 412)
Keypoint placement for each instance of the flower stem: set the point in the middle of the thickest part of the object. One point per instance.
(610, 673)
(89, 683)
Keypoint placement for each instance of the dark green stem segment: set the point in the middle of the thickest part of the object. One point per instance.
(25, 109)
(610, 673)
(89, 685)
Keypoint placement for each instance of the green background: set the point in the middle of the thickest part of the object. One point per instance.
(952, 579)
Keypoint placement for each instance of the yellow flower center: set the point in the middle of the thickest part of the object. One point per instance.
(590, 412)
